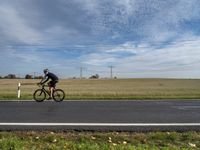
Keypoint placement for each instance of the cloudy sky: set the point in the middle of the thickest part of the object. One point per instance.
(140, 38)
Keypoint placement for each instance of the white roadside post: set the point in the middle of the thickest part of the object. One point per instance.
(18, 90)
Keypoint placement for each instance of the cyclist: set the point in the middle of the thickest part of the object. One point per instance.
(52, 84)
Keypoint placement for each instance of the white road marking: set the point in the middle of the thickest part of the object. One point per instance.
(187, 107)
(101, 124)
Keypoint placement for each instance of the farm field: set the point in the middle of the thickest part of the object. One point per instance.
(106, 89)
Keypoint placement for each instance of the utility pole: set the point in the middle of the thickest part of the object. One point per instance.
(81, 72)
(34, 74)
(111, 71)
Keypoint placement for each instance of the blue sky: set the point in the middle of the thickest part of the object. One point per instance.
(140, 38)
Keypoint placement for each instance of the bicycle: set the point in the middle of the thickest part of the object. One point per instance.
(41, 93)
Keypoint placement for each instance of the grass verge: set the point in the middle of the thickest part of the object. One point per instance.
(99, 141)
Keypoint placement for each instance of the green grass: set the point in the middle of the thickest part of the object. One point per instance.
(99, 141)
(110, 89)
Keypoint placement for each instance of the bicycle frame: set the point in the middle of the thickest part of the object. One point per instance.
(46, 91)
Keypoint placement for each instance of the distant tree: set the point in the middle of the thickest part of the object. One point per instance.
(96, 76)
(10, 76)
(1, 77)
(38, 77)
(28, 76)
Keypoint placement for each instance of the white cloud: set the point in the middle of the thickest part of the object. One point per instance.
(14, 28)
(176, 59)
(166, 23)
(179, 59)
(97, 59)
(128, 47)
(152, 20)
(143, 36)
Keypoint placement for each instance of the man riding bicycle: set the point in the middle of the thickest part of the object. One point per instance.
(52, 83)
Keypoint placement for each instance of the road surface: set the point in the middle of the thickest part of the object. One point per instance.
(134, 115)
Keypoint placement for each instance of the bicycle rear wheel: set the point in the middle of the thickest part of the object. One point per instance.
(39, 95)
(58, 95)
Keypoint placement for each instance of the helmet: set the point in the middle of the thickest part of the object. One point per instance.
(46, 71)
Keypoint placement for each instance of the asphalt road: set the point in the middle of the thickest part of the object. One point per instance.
(143, 115)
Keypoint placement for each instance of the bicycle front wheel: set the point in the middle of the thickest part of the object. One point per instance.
(39, 95)
(58, 95)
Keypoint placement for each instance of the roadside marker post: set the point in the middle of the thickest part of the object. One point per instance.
(18, 90)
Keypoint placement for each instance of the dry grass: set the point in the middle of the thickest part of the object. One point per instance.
(110, 89)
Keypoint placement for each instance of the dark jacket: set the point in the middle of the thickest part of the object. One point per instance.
(48, 76)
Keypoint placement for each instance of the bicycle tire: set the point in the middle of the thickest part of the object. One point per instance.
(58, 95)
(39, 95)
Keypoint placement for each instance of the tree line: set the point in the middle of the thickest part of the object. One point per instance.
(27, 76)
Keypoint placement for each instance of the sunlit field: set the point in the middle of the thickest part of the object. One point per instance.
(109, 89)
